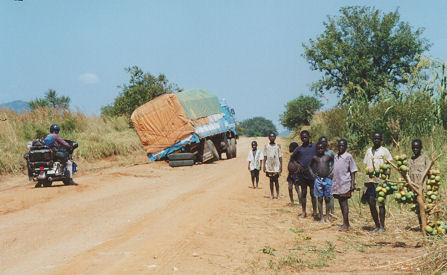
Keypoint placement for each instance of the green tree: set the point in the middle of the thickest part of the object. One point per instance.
(51, 100)
(363, 49)
(257, 126)
(142, 87)
(299, 111)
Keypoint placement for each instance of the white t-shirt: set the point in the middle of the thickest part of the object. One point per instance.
(273, 153)
(378, 157)
(255, 161)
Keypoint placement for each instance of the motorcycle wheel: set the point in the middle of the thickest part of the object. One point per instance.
(66, 181)
(46, 183)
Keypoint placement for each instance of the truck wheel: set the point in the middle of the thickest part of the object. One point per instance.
(183, 162)
(229, 153)
(212, 149)
(182, 156)
(233, 147)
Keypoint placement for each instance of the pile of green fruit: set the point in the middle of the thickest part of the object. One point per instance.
(432, 189)
(435, 228)
(401, 163)
(404, 195)
(382, 172)
(384, 189)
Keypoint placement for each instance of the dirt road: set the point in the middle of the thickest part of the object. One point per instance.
(203, 219)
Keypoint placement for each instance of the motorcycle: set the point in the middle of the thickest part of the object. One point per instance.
(47, 165)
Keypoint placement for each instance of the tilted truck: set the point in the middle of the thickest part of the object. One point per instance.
(186, 127)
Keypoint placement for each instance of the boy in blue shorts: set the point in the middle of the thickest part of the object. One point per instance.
(323, 179)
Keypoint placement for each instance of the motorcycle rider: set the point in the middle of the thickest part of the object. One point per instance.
(62, 146)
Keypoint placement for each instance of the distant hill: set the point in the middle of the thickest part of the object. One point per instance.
(18, 106)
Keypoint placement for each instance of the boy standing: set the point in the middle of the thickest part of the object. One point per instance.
(273, 163)
(343, 180)
(323, 182)
(329, 152)
(255, 158)
(293, 173)
(374, 157)
(417, 165)
(303, 155)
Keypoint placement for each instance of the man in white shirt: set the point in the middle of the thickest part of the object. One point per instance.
(376, 155)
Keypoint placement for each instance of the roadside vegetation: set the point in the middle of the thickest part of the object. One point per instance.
(375, 64)
(256, 127)
(99, 136)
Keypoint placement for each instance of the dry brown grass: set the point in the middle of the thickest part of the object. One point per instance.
(98, 137)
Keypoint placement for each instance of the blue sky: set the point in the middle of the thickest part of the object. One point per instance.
(248, 52)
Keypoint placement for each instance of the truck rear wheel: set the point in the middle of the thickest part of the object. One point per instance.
(213, 149)
(183, 162)
(182, 156)
(232, 147)
(228, 152)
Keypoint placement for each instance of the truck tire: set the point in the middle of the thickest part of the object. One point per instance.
(229, 153)
(183, 162)
(233, 147)
(182, 156)
(213, 149)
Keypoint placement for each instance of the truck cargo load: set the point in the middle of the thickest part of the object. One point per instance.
(170, 122)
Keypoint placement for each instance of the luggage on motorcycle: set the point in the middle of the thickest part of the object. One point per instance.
(38, 144)
(38, 164)
(40, 155)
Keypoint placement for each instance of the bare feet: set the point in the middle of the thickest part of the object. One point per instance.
(381, 230)
(377, 229)
(344, 227)
(326, 219)
(302, 215)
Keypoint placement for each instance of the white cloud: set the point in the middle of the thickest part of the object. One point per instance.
(88, 78)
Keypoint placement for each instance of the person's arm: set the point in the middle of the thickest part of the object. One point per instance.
(353, 181)
(310, 167)
(265, 160)
(280, 158)
(353, 169)
(62, 142)
(295, 154)
(331, 172)
(280, 165)
(248, 158)
(366, 158)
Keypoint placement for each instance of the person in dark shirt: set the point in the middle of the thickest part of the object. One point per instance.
(303, 155)
(60, 145)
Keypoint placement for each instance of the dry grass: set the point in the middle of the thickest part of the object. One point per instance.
(98, 137)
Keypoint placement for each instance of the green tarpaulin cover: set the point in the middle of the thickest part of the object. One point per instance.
(199, 103)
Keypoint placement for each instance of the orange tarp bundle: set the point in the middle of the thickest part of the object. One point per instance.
(161, 122)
